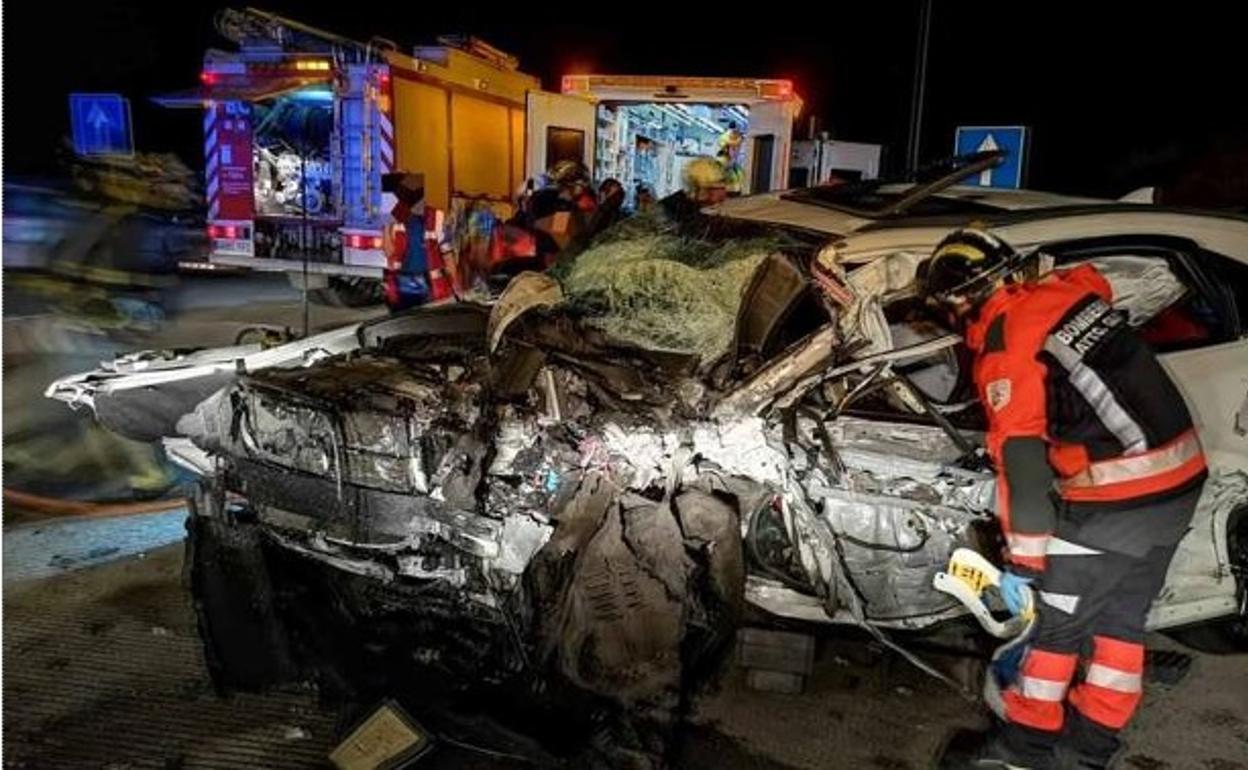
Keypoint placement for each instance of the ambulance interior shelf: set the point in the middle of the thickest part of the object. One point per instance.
(650, 143)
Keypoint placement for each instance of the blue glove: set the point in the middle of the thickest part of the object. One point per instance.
(1013, 593)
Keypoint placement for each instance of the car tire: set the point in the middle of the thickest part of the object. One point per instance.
(245, 644)
(349, 291)
(1228, 635)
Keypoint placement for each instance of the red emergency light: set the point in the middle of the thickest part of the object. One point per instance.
(225, 231)
(777, 89)
(363, 241)
(208, 77)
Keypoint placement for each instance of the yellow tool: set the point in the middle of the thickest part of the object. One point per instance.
(967, 577)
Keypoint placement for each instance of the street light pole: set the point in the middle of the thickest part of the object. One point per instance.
(920, 86)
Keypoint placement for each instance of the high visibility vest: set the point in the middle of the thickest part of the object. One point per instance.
(440, 287)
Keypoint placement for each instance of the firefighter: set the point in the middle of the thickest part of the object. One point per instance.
(1098, 472)
(571, 179)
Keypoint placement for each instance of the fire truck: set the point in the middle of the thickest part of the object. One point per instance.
(302, 125)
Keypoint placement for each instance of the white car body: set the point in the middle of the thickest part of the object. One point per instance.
(877, 258)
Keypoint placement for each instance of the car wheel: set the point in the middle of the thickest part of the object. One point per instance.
(245, 645)
(1226, 635)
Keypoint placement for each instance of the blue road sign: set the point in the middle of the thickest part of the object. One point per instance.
(101, 124)
(1011, 139)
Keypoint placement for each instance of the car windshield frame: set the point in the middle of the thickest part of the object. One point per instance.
(920, 198)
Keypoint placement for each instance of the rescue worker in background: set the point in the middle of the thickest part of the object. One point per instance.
(1098, 472)
(734, 176)
(644, 197)
(571, 179)
(730, 143)
(729, 155)
(556, 216)
(704, 186)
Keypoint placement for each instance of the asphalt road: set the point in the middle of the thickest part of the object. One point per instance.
(103, 670)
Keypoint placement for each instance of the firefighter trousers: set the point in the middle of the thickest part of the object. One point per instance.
(1091, 605)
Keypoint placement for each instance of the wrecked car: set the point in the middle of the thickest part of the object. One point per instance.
(589, 481)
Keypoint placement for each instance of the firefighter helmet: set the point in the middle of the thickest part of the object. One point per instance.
(702, 174)
(566, 173)
(965, 268)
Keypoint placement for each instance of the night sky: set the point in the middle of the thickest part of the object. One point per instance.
(1122, 99)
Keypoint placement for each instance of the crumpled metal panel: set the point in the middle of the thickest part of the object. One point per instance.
(745, 447)
(525, 292)
(521, 538)
(918, 448)
(742, 447)
(759, 391)
(891, 519)
(892, 548)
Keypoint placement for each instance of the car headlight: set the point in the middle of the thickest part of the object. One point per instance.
(381, 451)
(288, 434)
(377, 449)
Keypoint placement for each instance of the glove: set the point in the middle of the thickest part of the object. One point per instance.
(1013, 591)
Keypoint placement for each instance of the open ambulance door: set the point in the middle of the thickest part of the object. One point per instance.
(767, 146)
(558, 127)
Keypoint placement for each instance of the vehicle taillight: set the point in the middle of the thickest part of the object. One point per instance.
(208, 77)
(363, 241)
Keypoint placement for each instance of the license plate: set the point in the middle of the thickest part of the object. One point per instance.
(229, 246)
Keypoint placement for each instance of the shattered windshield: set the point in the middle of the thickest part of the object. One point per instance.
(671, 287)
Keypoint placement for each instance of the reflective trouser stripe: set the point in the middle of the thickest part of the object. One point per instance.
(1113, 687)
(1113, 679)
(1042, 689)
(1035, 700)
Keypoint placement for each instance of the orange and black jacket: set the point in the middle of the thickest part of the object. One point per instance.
(1080, 413)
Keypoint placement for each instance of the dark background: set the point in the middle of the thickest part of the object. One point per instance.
(1118, 96)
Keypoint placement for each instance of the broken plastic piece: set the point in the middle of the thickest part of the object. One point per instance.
(389, 737)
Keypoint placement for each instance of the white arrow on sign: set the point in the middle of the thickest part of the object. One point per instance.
(99, 122)
(988, 145)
